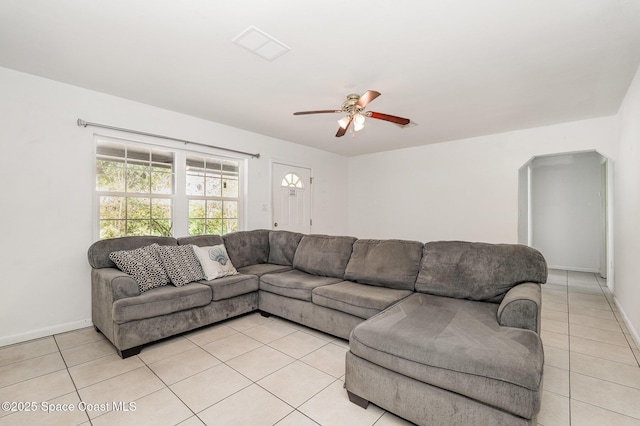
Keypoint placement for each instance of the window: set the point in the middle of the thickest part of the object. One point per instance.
(291, 180)
(137, 194)
(212, 194)
(135, 190)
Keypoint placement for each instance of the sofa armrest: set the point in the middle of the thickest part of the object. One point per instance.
(117, 283)
(107, 286)
(521, 307)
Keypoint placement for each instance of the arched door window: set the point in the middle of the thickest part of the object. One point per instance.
(292, 180)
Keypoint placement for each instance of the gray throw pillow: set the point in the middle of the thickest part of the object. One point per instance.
(143, 264)
(181, 264)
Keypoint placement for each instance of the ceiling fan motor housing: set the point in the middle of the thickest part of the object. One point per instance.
(350, 104)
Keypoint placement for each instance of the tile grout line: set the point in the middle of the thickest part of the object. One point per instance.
(295, 409)
(166, 386)
(569, 345)
(296, 359)
(77, 391)
(569, 332)
(620, 323)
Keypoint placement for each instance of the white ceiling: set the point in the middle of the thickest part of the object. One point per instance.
(457, 68)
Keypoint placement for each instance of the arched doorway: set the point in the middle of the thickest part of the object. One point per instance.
(565, 210)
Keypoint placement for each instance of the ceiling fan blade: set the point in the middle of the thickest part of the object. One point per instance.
(387, 117)
(341, 130)
(366, 98)
(322, 111)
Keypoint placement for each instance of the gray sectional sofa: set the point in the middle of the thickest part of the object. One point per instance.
(439, 333)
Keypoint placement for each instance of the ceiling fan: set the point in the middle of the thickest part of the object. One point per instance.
(354, 108)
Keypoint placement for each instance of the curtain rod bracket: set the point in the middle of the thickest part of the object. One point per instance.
(83, 123)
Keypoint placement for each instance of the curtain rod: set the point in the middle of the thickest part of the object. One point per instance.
(84, 123)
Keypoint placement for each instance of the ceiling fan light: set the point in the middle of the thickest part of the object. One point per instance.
(344, 122)
(358, 122)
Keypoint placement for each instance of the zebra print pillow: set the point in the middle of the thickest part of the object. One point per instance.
(143, 264)
(181, 264)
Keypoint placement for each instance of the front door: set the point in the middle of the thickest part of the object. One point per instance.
(291, 189)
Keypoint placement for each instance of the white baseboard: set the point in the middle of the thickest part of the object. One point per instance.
(573, 268)
(632, 330)
(44, 332)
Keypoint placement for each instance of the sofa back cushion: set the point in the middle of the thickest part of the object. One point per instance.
(99, 251)
(478, 271)
(247, 247)
(323, 255)
(201, 240)
(282, 247)
(385, 263)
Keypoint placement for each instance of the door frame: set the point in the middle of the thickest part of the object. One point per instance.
(271, 194)
(525, 219)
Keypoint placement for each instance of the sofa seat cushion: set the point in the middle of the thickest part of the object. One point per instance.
(360, 300)
(456, 345)
(263, 268)
(295, 284)
(232, 286)
(161, 301)
(385, 263)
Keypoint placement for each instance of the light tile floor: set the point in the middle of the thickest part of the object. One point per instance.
(591, 374)
(265, 371)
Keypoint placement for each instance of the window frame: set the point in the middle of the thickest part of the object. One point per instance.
(132, 160)
(211, 173)
(179, 208)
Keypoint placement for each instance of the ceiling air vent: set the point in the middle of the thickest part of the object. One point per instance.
(261, 43)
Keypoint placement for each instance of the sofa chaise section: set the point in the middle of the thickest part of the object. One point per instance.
(468, 354)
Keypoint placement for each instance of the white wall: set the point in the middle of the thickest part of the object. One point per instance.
(567, 210)
(524, 214)
(465, 189)
(47, 183)
(627, 209)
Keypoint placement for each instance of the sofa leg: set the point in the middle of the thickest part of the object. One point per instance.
(265, 314)
(97, 329)
(130, 352)
(358, 400)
